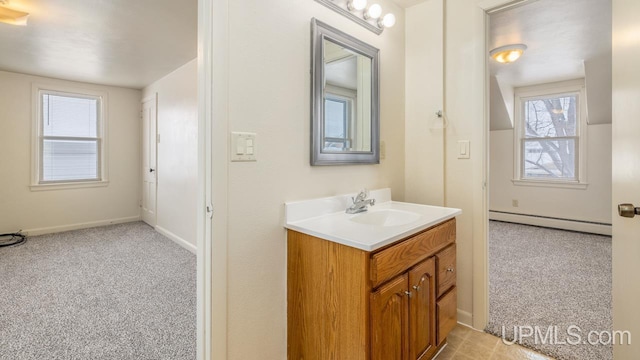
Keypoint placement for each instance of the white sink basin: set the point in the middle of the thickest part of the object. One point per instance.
(385, 217)
(384, 223)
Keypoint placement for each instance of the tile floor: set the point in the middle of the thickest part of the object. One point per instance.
(465, 343)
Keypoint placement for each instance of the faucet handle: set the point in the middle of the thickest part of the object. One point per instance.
(363, 194)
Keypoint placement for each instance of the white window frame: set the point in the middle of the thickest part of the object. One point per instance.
(350, 97)
(38, 90)
(550, 90)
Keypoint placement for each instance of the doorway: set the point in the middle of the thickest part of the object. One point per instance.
(116, 198)
(550, 173)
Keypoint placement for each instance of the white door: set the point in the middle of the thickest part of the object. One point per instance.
(149, 173)
(626, 173)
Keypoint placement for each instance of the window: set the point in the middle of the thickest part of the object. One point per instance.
(550, 135)
(338, 113)
(69, 137)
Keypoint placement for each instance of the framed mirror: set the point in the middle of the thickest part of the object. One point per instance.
(345, 111)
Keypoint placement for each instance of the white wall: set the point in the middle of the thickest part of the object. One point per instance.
(55, 210)
(465, 55)
(268, 69)
(177, 152)
(424, 133)
(591, 204)
(433, 173)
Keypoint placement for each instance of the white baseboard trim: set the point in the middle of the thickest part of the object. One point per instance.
(465, 318)
(86, 225)
(593, 228)
(177, 239)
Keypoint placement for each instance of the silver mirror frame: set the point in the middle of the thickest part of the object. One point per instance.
(319, 32)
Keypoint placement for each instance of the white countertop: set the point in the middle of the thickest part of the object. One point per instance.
(326, 218)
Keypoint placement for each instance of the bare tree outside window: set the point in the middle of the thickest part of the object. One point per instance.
(550, 143)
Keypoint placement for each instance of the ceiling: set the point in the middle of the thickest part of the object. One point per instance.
(111, 42)
(560, 35)
(566, 39)
(407, 3)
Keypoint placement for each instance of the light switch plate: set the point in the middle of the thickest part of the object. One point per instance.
(243, 147)
(464, 150)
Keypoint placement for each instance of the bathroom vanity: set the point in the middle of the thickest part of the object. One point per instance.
(377, 285)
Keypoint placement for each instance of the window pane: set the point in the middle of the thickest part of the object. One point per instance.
(335, 118)
(550, 159)
(69, 160)
(551, 117)
(69, 116)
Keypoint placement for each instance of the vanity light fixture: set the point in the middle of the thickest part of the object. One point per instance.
(357, 5)
(369, 16)
(508, 53)
(10, 16)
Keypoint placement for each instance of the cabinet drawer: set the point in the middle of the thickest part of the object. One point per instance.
(446, 315)
(397, 258)
(446, 267)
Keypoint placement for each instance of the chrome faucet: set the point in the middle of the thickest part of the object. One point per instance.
(360, 203)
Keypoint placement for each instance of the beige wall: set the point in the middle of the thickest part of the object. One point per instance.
(465, 55)
(424, 133)
(590, 204)
(269, 92)
(177, 152)
(55, 210)
(433, 172)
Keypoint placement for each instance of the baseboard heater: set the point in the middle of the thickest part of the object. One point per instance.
(552, 222)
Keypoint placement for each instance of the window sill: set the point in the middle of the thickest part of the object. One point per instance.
(552, 184)
(69, 185)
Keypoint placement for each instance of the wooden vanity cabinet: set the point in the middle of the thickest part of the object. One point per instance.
(403, 315)
(395, 303)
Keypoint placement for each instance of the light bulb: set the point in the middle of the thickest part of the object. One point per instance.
(508, 53)
(373, 12)
(388, 20)
(513, 55)
(357, 4)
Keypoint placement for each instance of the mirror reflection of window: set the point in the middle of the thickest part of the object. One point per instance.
(336, 126)
(347, 99)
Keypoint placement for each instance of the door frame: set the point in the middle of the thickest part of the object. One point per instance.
(211, 238)
(481, 241)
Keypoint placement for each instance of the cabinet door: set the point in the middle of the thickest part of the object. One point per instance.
(422, 309)
(389, 320)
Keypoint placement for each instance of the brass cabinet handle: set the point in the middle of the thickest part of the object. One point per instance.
(450, 269)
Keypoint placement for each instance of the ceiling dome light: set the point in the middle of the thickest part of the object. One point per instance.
(10, 16)
(387, 21)
(373, 12)
(508, 53)
(357, 5)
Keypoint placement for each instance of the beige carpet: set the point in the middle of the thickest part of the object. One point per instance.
(550, 278)
(115, 292)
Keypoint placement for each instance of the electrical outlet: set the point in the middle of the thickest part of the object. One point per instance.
(514, 203)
